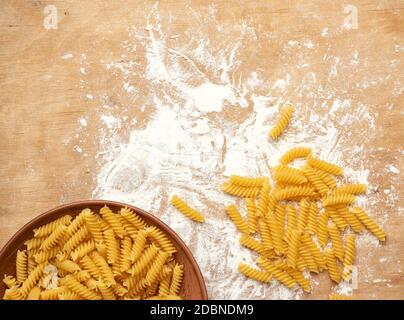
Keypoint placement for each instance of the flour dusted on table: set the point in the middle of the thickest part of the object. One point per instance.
(210, 120)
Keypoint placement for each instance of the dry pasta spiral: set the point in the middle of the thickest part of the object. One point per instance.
(255, 274)
(82, 250)
(176, 280)
(112, 246)
(47, 229)
(293, 250)
(276, 233)
(156, 267)
(160, 238)
(333, 269)
(336, 242)
(186, 210)
(338, 199)
(53, 239)
(325, 166)
(315, 180)
(246, 181)
(254, 245)
(288, 175)
(370, 224)
(239, 191)
(355, 188)
(132, 218)
(21, 266)
(276, 272)
(252, 216)
(76, 239)
(284, 118)
(113, 220)
(348, 257)
(32, 279)
(93, 225)
(263, 199)
(239, 222)
(79, 289)
(294, 153)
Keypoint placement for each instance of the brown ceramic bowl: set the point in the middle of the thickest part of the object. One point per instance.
(193, 287)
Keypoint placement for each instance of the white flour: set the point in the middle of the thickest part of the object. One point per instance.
(209, 123)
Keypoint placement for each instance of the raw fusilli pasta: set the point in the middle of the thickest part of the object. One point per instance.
(186, 210)
(284, 118)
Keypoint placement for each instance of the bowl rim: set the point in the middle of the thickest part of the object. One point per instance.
(73, 205)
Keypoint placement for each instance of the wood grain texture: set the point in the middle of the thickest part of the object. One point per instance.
(42, 96)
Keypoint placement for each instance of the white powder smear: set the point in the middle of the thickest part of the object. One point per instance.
(210, 118)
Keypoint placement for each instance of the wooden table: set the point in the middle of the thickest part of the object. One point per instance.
(52, 78)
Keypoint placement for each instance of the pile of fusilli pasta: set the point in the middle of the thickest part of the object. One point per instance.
(304, 222)
(109, 256)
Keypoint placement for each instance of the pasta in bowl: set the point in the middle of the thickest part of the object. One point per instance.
(98, 250)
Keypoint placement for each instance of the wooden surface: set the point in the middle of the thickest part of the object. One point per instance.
(42, 95)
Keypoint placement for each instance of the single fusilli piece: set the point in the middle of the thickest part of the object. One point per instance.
(336, 242)
(112, 245)
(176, 280)
(337, 218)
(138, 245)
(276, 272)
(54, 238)
(76, 239)
(132, 218)
(300, 279)
(247, 181)
(93, 225)
(325, 166)
(252, 216)
(34, 243)
(149, 254)
(161, 239)
(338, 199)
(156, 267)
(370, 224)
(312, 247)
(284, 118)
(47, 229)
(322, 230)
(114, 221)
(239, 191)
(104, 268)
(332, 266)
(354, 188)
(293, 250)
(21, 266)
(349, 218)
(265, 234)
(349, 257)
(255, 274)
(294, 153)
(32, 279)
(263, 199)
(82, 250)
(276, 233)
(312, 221)
(235, 216)
(79, 289)
(254, 245)
(186, 210)
(288, 175)
(315, 180)
(125, 260)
